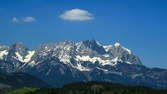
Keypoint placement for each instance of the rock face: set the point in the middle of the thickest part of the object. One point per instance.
(66, 62)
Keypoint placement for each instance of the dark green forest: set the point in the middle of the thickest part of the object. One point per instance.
(93, 88)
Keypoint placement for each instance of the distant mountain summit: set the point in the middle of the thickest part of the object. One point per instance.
(65, 62)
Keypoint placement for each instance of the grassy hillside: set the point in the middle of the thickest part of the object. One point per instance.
(92, 88)
(22, 91)
(4, 86)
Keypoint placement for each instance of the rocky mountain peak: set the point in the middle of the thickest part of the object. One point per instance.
(94, 45)
(90, 43)
(18, 48)
(117, 44)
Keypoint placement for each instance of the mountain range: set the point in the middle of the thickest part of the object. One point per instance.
(65, 62)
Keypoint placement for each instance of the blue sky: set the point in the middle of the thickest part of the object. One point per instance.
(140, 25)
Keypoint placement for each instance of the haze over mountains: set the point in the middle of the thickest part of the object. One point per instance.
(65, 62)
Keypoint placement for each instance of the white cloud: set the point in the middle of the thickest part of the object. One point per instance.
(76, 15)
(28, 19)
(24, 19)
(15, 20)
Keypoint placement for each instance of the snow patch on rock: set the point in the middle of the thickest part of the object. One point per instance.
(29, 56)
(3, 53)
(98, 59)
(26, 58)
(107, 48)
(81, 68)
